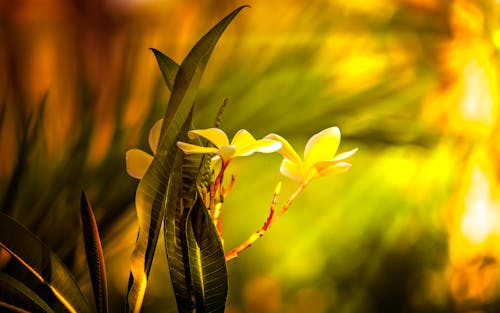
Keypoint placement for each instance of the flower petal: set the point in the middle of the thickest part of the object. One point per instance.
(188, 148)
(322, 146)
(344, 155)
(154, 135)
(226, 152)
(216, 164)
(242, 139)
(286, 149)
(267, 146)
(137, 162)
(214, 135)
(291, 170)
(333, 168)
(261, 145)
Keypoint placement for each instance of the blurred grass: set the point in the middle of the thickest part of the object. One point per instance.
(392, 74)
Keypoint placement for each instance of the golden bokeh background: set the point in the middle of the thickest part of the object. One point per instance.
(414, 226)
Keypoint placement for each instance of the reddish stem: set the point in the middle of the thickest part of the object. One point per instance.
(269, 222)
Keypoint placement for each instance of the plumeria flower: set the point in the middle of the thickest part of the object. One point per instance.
(243, 144)
(138, 161)
(319, 156)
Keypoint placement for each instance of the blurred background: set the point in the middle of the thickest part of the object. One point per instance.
(414, 226)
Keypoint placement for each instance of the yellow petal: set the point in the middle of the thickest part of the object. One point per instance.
(137, 162)
(154, 135)
(345, 155)
(286, 149)
(214, 135)
(188, 148)
(215, 164)
(291, 170)
(261, 145)
(322, 146)
(334, 168)
(267, 146)
(242, 139)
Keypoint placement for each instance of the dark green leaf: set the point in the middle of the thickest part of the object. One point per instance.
(151, 193)
(43, 263)
(16, 294)
(189, 76)
(167, 66)
(95, 256)
(207, 262)
(175, 234)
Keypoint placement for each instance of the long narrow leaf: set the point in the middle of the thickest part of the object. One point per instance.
(16, 294)
(43, 263)
(208, 265)
(174, 230)
(168, 68)
(189, 76)
(175, 242)
(150, 197)
(95, 256)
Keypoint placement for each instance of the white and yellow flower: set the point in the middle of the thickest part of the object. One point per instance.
(138, 161)
(242, 144)
(320, 157)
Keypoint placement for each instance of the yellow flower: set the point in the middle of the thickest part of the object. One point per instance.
(319, 156)
(138, 161)
(243, 144)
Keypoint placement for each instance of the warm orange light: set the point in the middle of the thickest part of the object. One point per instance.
(474, 233)
(478, 100)
(481, 215)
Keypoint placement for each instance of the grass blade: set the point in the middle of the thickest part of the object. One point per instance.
(43, 263)
(95, 256)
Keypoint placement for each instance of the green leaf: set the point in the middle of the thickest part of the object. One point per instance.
(207, 262)
(43, 263)
(189, 76)
(16, 295)
(175, 234)
(185, 258)
(167, 66)
(95, 256)
(151, 193)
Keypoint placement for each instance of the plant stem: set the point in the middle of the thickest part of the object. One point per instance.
(269, 222)
(214, 207)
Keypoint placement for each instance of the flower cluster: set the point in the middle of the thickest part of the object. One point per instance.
(320, 153)
(320, 158)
